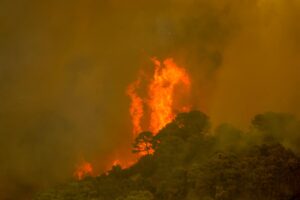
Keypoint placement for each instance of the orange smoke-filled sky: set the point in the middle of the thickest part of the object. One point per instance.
(65, 67)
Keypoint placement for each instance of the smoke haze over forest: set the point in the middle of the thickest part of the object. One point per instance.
(65, 66)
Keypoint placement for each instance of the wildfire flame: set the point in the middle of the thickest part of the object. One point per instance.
(84, 169)
(124, 163)
(161, 93)
(116, 162)
(159, 106)
(136, 107)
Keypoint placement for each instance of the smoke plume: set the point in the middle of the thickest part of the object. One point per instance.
(65, 66)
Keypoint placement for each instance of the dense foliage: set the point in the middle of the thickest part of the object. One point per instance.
(192, 162)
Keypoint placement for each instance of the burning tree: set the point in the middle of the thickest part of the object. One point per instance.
(143, 143)
(161, 96)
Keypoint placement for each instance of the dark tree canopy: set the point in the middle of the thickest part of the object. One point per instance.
(187, 160)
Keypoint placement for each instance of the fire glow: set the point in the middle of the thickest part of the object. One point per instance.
(165, 89)
(83, 169)
(160, 99)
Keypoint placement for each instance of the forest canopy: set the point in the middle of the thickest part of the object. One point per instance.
(188, 159)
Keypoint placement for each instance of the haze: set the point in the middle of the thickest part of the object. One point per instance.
(65, 66)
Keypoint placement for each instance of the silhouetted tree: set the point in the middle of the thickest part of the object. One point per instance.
(143, 143)
(190, 162)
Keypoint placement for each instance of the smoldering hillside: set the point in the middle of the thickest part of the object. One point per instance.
(65, 66)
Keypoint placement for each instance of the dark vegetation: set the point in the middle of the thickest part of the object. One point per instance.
(193, 162)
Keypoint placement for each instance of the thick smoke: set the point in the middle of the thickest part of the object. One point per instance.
(65, 66)
(260, 69)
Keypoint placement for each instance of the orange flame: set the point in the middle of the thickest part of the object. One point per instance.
(136, 107)
(83, 170)
(161, 94)
(159, 105)
(116, 162)
(122, 163)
